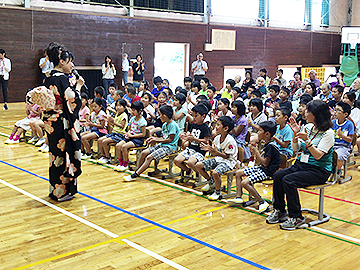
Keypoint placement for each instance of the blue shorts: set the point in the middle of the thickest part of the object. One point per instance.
(97, 132)
(137, 141)
(116, 137)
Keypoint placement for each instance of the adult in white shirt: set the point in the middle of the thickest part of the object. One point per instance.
(109, 73)
(199, 67)
(46, 66)
(5, 68)
(125, 68)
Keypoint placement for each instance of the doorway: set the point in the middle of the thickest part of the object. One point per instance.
(171, 62)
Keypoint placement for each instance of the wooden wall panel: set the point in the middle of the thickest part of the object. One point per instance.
(91, 37)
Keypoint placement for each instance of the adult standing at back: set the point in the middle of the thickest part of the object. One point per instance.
(125, 68)
(199, 67)
(46, 66)
(109, 73)
(138, 71)
(5, 68)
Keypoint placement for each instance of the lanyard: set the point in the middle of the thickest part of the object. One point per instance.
(313, 136)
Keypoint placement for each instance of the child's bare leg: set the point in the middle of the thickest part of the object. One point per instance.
(239, 174)
(217, 178)
(118, 149)
(249, 187)
(14, 130)
(143, 155)
(85, 141)
(105, 145)
(125, 150)
(191, 163)
(179, 161)
(100, 145)
(154, 130)
(340, 164)
(146, 164)
(200, 168)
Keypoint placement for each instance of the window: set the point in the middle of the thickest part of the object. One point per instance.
(291, 11)
(237, 8)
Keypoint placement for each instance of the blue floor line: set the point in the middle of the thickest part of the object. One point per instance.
(153, 223)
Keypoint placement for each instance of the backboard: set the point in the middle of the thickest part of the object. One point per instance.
(350, 35)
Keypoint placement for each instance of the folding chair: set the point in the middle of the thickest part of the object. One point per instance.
(348, 162)
(322, 217)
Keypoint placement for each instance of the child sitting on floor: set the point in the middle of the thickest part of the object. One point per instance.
(344, 133)
(160, 147)
(198, 133)
(134, 137)
(118, 125)
(225, 151)
(269, 164)
(33, 113)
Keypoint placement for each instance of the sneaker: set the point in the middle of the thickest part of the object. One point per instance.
(13, 141)
(86, 156)
(118, 168)
(208, 185)
(263, 206)
(5, 107)
(45, 149)
(130, 178)
(276, 217)
(214, 196)
(33, 139)
(236, 201)
(40, 142)
(8, 141)
(124, 168)
(132, 152)
(104, 160)
(67, 197)
(293, 224)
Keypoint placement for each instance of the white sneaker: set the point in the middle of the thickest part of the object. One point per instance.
(132, 152)
(129, 178)
(45, 149)
(40, 142)
(209, 185)
(104, 160)
(263, 206)
(214, 196)
(33, 139)
(118, 168)
(13, 141)
(124, 168)
(235, 201)
(8, 141)
(85, 156)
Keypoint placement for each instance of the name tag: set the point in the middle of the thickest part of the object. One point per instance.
(304, 158)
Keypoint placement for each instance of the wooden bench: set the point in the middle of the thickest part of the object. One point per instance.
(322, 217)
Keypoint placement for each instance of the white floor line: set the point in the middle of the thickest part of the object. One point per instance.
(336, 234)
(94, 226)
(7, 135)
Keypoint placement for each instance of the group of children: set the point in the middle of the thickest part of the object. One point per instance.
(228, 125)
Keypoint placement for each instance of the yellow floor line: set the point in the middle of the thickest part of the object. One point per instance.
(117, 240)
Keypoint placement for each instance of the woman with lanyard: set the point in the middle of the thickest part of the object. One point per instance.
(314, 144)
(62, 126)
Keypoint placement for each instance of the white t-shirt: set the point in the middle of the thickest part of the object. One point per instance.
(5, 68)
(193, 97)
(110, 73)
(259, 119)
(125, 65)
(199, 67)
(228, 146)
(355, 116)
(49, 66)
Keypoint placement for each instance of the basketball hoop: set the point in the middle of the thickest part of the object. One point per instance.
(353, 43)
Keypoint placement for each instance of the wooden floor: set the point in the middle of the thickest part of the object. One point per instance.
(149, 224)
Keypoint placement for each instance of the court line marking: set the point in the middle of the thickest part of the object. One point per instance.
(94, 226)
(352, 239)
(330, 197)
(155, 223)
(117, 240)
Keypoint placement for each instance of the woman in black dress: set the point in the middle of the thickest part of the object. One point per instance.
(62, 126)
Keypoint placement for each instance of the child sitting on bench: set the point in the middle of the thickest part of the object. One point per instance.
(269, 163)
(198, 133)
(225, 151)
(160, 147)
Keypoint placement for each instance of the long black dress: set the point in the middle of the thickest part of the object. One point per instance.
(63, 130)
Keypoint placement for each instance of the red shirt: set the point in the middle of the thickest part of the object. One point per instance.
(136, 98)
